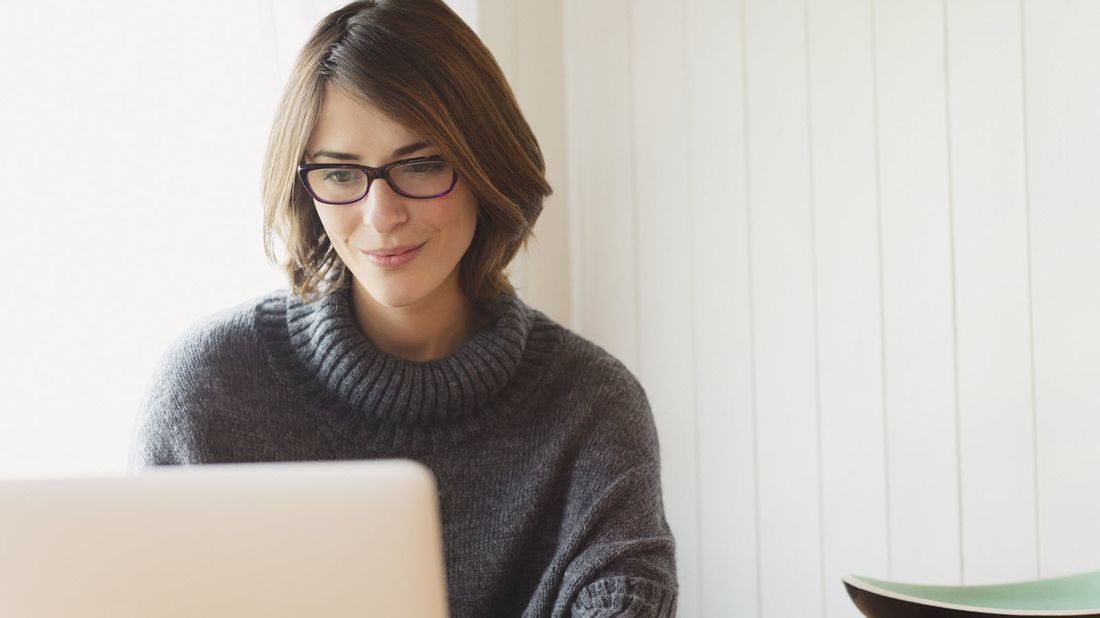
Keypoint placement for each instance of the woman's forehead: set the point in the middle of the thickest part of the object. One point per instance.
(349, 126)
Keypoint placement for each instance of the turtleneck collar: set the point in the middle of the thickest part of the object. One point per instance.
(319, 347)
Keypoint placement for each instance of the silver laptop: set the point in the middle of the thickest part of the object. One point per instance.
(249, 540)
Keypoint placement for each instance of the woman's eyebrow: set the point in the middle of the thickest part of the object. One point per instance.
(344, 156)
(411, 148)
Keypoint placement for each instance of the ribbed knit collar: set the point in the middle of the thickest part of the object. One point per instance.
(319, 347)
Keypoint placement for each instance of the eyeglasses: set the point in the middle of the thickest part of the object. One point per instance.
(421, 178)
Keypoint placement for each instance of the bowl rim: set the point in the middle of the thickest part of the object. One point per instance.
(862, 583)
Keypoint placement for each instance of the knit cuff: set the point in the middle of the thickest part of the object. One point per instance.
(625, 596)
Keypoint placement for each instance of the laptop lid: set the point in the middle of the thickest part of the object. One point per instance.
(327, 539)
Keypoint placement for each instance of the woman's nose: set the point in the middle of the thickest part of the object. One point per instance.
(383, 209)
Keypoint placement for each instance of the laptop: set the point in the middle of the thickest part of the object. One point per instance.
(329, 539)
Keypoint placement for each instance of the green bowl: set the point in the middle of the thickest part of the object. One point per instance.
(1073, 595)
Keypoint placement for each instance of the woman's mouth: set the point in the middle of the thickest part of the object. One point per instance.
(394, 257)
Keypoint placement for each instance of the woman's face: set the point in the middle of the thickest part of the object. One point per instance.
(442, 227)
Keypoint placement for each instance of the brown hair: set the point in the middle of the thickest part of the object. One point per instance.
(417, 62)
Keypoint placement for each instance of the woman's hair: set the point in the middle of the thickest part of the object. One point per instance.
(418, 63)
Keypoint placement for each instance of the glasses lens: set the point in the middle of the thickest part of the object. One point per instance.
(422, 178)
(337, 185)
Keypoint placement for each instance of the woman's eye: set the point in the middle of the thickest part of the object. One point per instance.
(339, 176)
(425, 168)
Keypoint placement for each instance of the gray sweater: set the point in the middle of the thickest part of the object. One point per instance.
(543, 445)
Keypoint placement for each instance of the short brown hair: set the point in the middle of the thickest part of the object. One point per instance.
(418, 63)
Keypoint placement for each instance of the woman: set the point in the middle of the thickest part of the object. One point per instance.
(401, 178)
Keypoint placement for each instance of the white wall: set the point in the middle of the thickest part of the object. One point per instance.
(850, 246)
(133, 134)
(526, 38)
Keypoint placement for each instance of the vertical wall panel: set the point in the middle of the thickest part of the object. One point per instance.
(783, 309)
(997, 453)
(496, 24)
(722, 319)
(539, 89)
(917, 291)
(530, 52)
(471, 11)
(664, 254)
(1063, 96)
(600, 129)
(571, 57)
(849, 319)
(531, 55)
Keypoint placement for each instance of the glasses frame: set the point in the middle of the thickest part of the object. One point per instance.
(372, 173)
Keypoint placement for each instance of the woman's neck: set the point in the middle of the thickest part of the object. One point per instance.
(435, 327)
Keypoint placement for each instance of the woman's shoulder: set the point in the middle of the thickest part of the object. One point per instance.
(224, 337)
(589, 375)
(206, 369)
(579, 357)
(590, 393)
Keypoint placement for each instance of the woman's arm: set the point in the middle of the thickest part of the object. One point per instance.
(163, 432)
(618, 550)
(206, 366)
(625, 564)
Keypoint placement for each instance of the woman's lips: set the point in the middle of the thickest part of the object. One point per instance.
(388, 259)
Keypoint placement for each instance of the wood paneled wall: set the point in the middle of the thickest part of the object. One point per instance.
(852, 249)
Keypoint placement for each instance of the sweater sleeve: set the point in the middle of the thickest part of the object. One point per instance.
(201, 392)
(627, 567)
(163, 432)
(622, 552)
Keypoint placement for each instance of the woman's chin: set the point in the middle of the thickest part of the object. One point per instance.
(394, 297)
